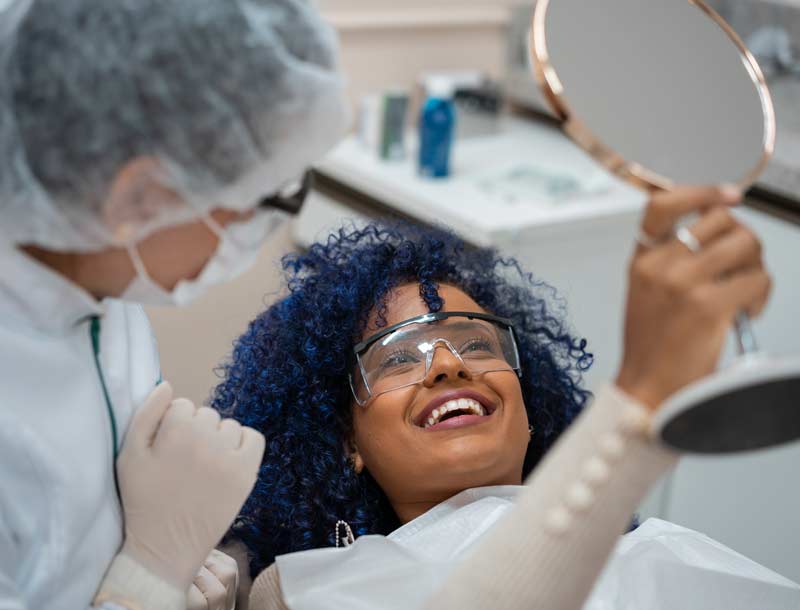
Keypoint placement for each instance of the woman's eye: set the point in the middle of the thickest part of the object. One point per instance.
(477, 345)
(398, 359)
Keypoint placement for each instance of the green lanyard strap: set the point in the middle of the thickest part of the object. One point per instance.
(94, 331)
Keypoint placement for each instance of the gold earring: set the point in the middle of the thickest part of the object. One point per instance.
(530, 429)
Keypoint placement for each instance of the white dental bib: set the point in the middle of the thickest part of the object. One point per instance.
(660, 566)
(399, 571)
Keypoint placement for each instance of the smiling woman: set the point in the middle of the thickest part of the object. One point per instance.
(408, 384)
(289, 378)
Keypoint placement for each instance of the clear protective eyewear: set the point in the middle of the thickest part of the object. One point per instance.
(401, 355)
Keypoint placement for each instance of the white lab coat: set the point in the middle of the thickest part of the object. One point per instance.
(60, 518)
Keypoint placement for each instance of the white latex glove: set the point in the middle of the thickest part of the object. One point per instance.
(215, 585)
(183, 476)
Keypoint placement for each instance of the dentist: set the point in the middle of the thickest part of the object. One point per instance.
(146, 148)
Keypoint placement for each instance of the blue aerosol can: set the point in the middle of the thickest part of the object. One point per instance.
(437, 125)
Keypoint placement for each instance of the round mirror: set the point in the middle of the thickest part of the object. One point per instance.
(637, 80)
(663, 92)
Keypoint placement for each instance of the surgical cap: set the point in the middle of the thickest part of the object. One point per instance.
(231, 99)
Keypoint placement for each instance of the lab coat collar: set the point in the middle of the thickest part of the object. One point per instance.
(34, 295)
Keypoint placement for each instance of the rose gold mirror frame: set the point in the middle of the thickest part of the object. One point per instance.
(631, 171)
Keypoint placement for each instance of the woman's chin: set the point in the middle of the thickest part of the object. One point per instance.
(475, 461)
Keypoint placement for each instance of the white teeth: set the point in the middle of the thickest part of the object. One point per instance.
(459, 404)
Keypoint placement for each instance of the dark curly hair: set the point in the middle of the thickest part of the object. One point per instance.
(288, 374)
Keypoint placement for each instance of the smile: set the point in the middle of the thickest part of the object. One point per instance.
(453, 410)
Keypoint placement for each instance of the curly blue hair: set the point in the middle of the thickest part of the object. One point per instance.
(288, 375)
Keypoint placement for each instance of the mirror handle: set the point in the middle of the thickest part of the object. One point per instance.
(745, 337)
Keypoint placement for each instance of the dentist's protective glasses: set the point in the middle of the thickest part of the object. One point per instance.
(402, 355)
(291, 198)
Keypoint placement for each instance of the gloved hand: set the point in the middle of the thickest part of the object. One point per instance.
(183, 476)
(215, 585)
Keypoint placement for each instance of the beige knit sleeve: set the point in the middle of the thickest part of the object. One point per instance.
(266, 592)
(548, 551)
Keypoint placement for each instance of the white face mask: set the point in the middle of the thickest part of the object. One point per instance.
(239, 245)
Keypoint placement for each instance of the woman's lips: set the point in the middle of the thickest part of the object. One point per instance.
(455, 400)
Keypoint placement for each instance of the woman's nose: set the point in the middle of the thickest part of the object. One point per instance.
(445, 364)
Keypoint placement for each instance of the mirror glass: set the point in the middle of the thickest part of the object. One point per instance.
(663, 84)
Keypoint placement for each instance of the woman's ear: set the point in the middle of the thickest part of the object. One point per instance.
(355, 457)
(138, 194)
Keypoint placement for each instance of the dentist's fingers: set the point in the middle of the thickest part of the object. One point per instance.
(213, 592)
(179, 413)
(226, 570)
(207, 416)
(147, 420)
(253, 445)
(230, 433)
(195, 600)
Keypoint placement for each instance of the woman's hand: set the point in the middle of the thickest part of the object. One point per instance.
(681, 304)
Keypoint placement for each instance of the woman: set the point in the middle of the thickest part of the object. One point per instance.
(378, 413)
(138, 139)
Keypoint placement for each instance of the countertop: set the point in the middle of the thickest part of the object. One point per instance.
(527, 176)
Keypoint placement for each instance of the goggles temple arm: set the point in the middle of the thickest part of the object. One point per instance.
(290, 203)
(363, 380)
(516, 351)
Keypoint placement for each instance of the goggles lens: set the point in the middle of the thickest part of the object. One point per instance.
(404, 356)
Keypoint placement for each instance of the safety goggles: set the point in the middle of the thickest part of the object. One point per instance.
(401, 355)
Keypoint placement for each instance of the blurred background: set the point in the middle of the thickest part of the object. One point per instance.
(515, 182)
